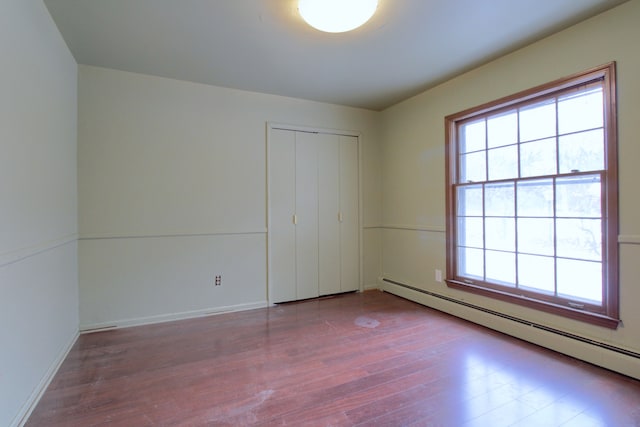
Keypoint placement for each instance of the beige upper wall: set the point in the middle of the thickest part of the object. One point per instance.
(37, 130)
(413, 157)
(161, 156)
(418, 123)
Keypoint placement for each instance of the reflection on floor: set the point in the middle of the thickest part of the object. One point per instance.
(359, 359)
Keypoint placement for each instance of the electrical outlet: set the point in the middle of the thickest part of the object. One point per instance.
(218, 280)
(438, 275)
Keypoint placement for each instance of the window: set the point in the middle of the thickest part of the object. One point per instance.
(532, 198)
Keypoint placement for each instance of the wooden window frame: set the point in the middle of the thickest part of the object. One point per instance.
(606, 315)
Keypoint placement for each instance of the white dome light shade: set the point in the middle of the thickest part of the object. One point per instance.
(336, 16)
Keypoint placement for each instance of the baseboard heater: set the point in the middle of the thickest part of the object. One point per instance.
(519, 320)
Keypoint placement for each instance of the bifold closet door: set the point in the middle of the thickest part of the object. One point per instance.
(306, 213)
(349, 215)
(339, 262)
(282, 207)
(313, 215)
(329, 213)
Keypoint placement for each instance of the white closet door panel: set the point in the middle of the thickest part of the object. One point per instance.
(328, 213)
(282, 233)
(307, 215)
(349, 226)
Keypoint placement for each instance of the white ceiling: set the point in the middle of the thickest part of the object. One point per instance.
(264, 46)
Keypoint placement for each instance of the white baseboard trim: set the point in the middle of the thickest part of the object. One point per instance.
(139, 321)
(31, 403)
(593, 354)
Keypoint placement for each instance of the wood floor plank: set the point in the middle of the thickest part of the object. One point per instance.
(369, 359)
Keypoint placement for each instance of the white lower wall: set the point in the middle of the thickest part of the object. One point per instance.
(40, 317)
(411, 255)
(137, 280)
(372, 256)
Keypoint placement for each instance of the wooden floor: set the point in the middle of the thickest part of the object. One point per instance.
(360, 359)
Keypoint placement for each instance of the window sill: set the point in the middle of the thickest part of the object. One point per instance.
(568, 312)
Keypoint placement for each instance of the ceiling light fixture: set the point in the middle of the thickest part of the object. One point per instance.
(336, 16)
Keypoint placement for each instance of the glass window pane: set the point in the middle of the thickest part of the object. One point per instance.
(538, 121)
(499, 199)
(580, 280)
(503, 163)
(582, 151)
(538, 158)
(502, 129)
(580, 111)
(537, 273)
(470, 232)
(535, 198)
(501, 267)
(500, 234)
(470, 200)
(473, 167)
(471, 263)
(535, 236)
(579, 238)
(579, 197)
(472, 136)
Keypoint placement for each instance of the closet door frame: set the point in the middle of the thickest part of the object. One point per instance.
(270, 126)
